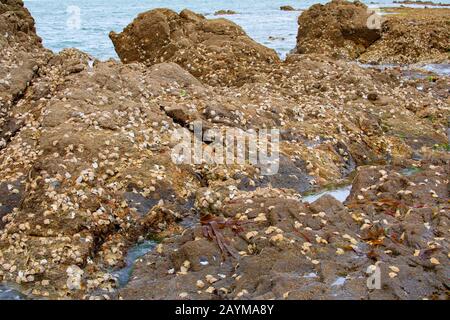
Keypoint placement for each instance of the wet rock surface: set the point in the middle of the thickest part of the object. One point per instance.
(288, 249)
(86, 173)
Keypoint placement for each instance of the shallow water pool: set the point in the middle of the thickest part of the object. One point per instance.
(123, 275)
(340, 194)
(8, 293)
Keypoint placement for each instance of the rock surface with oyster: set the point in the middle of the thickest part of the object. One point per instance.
(86, 173)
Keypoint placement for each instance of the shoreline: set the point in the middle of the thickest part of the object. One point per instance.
(101, 47)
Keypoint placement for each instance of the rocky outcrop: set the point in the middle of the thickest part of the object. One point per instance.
(92, 185)
(21, 54)
(224, 12)
(338, 28)
(216, 51)
(287, 8)
(94, 160)
(87, 172)
(17, 25)
(423, 3)
(353, 31)
(412, 36)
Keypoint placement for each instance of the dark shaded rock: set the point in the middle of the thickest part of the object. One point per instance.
(290, 176)
(11, 196)
(140, 203)
(224, 12)
(287, 8)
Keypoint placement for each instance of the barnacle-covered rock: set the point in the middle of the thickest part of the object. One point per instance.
(217, 51)
(338, 28)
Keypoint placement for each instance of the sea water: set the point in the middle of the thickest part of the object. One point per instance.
(9, 293)
(340, 194)
(133, 254)
(85, 24)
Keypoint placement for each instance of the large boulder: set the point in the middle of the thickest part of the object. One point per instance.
(217, 51)
(338, 28)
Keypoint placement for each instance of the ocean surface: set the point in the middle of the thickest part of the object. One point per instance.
(85, 24)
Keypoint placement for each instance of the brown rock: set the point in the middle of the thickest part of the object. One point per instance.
(17, 25)
(11, 195)
(224, 12)
(86, 170)
(21, 55)
(216, 51)
(317, 251)
(287, 8)
(338, 28)
(412, 36)
(373, 96)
